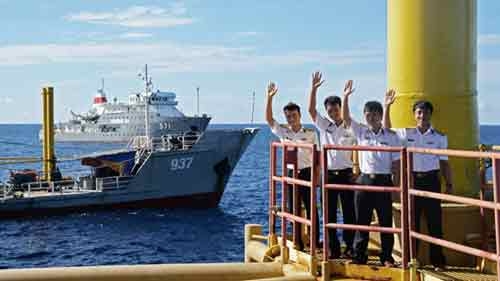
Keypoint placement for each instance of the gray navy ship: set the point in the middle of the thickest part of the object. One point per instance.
(191, 172)
(120, 121)
(168, 169)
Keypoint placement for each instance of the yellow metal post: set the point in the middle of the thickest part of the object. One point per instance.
(432, 55)
(44, 129)
(48, 132)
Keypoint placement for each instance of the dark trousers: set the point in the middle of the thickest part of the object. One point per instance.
(365, 203)
(347, 200)
(304, 196)
(431, 208)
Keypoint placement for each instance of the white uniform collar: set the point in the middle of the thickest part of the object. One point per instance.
(332, 122)
(429, 131)
(381, 131)
(301, 130)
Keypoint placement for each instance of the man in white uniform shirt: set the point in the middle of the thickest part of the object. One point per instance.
(377, 168)
(427, 169)
(333, 131)
(294, 132)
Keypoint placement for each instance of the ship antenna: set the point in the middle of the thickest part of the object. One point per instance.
(147, 81)
(253, 105)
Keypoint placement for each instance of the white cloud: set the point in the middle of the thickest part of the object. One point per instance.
(174, 57)
(135, 35)
(489, 39)
(137, 16)
(6, 100)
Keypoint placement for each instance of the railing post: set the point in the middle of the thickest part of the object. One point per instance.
(272, 190)
(117, 183)
(324, 170)
(496, 194)
(411, 207)
(405, 234)
(313, 209)
(284, 194)
(296, 204)
(482, 185)
(29, 189)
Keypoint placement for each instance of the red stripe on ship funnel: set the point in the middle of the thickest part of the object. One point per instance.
(98, 100)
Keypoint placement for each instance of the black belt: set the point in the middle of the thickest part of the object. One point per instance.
(425, 174)
(341, 171)
(374, 176)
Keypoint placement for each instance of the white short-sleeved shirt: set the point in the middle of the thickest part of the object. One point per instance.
(304, 135)
(330, 133)
(412, 137)
(376, 162)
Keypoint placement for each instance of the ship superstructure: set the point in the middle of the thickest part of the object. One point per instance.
(120, 121)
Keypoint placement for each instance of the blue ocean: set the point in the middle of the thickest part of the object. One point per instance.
(145, 236)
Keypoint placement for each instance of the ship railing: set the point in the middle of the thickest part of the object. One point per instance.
(60, 186)
(400, 189)
(166, 142)
(7, 189)
(113, 183)
(481, 203)
(289, 177)
(175, 142)
(407, 193)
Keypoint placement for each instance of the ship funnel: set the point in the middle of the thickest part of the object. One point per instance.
(48, 133)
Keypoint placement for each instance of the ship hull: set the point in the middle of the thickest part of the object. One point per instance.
(194, 201)
(194, 178)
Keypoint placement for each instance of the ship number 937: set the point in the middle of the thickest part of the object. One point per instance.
(181, 163)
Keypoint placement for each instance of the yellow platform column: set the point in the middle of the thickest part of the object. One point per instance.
(432, 55)
(48, 132)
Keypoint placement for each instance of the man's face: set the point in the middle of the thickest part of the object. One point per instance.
(334, 112)
(422, 117)
(373, 118)
(292, 117)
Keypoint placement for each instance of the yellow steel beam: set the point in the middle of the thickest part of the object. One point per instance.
(185, 272)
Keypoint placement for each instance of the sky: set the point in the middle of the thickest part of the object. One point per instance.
(227, 48)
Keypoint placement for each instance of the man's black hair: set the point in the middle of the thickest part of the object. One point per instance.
(333, 100)
(373, 106)
(291, 107)
(424, 105)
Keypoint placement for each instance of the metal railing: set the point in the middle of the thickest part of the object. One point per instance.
(401, 189)
(112, 183)
(289, 157)
(83, 184)
(406, 189)
(481, 203)
(166, 142)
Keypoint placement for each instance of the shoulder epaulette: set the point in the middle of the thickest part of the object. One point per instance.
(410, 130)
(439, 133)
(390, 131)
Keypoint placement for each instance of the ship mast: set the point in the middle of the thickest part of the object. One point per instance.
(253, 106)
(148, 83)
(198, 101)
